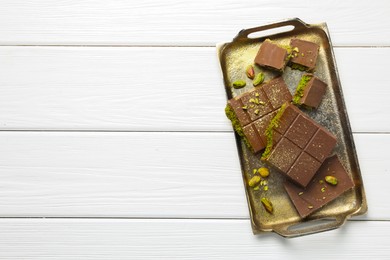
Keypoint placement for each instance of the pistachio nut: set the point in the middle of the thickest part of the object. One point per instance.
(250, 72)
(259, 78)
(254, 181)
(264, 172)
(331, 180)
(239, 84)
(267, 205)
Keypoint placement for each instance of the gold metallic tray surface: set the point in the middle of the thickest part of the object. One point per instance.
(234, 57)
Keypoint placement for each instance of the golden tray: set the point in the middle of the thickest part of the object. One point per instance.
(234, 57)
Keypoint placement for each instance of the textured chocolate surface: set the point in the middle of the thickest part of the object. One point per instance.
(255, 132)
(299, 145)
(319, 193)
(271, 55)
(255, 109)
(313, 93)
(307, 53)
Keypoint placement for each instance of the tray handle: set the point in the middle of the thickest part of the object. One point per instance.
(296, 22)
(311, 226)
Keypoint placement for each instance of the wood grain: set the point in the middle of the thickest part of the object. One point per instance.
(202, 23)
(158, 175)
(154, 89)
(105, 116)
(182, 239)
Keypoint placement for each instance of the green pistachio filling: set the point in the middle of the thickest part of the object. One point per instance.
(301, 88)
(236, 124)
(296, 66)
(270, 131)
(289, 50)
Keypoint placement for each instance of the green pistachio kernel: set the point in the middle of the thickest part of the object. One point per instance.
(264, 172)
(254, 181)
(259, 78)
(331, 180)
(267, 205)
(239, 84)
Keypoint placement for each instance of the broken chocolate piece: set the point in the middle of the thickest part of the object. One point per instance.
(272, 56)
(296, 145)
(310, 91)
(305, 58)
(319, 193)
(252, 111)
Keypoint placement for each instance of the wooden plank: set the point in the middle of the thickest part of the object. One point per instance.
(185, 175)
(154, 89)
(176, 23)
(182, 239)
(359, 93)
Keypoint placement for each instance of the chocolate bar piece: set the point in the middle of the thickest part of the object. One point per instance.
(272, 56)
(310, 91)
(297, 146)
(319, 192)
(252, 111)
(304, 55)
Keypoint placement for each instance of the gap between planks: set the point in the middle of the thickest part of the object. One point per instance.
(146, 131)
(354, 219)
(160, 46)
(93, 89)
(183, 239)
(144, 175)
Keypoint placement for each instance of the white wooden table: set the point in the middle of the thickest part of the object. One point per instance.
(114, 142)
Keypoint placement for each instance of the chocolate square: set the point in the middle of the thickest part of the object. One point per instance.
(277, 92)
(284, 155)
(306, 56)
(271, 55)
(313, 93)
(301, 131)
(255, 106)
(240, 113)
(254, 110)
(302, 169)
(252, 136)
(289, 115)
(262, 124)
(318, 192)
(321, 145)
(307, 147)
(254, 132)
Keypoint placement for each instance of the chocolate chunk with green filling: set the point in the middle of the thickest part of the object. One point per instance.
(272, 55)
(310, 91)
(296, 145)
(252, 111)
(304, 56)
(319, 193)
